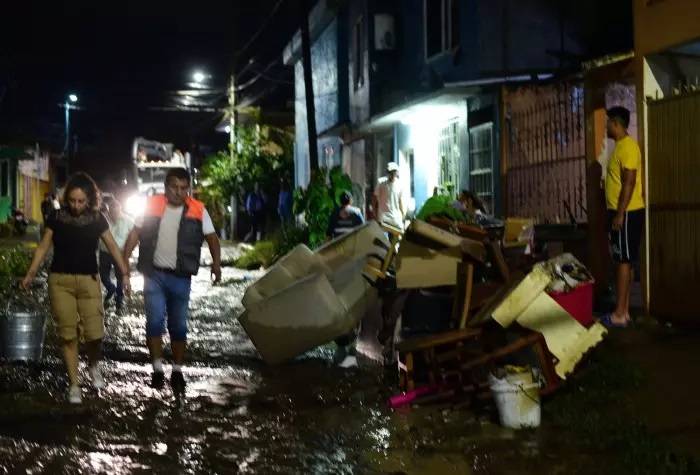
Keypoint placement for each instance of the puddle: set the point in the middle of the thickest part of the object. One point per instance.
(238, 415)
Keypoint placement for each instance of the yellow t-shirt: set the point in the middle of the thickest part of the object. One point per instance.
(626, 155)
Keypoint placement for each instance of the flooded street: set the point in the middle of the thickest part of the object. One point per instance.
(240, 416)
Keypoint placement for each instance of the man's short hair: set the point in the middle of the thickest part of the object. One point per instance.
(345, 198)
(179, 173)
(620, 114)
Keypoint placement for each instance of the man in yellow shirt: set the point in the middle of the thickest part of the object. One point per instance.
(625, 203)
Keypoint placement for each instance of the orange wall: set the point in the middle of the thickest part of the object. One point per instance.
(661, 24)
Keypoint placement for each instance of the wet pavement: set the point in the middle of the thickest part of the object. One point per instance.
(238, 415)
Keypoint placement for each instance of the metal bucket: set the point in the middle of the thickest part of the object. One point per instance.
(22, 335)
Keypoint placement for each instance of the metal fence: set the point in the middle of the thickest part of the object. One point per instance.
(674, 207)
(546, 153)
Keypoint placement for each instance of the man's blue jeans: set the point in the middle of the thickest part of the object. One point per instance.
(166, 294)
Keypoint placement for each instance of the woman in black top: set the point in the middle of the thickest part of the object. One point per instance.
(74, 288)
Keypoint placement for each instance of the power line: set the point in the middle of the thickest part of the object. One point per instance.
(257, 34)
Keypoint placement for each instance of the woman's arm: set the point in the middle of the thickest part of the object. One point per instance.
(39, 255)
(119, 260)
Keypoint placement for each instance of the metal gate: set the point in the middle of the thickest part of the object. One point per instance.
(448, 151)
(674, 208)
(546, 161)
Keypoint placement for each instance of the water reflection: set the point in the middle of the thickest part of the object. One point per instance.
(236, 413)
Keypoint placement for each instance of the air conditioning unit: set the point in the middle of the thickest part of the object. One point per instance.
(384, 32)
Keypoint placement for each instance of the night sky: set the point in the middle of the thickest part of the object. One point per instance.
(121, 59)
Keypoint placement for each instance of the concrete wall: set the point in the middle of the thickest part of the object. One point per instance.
(659, 25)
(330, 96)
(515, 37)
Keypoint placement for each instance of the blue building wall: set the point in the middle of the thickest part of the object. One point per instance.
(329, 64)
(497, 38)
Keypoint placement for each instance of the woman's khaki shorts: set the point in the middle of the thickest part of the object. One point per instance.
(76, 304)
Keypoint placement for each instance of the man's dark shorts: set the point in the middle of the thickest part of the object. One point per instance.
(626, 242)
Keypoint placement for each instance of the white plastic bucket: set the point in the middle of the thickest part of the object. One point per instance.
(518, 404)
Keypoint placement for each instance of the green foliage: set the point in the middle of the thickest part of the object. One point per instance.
(318, 201)
(263, 154)
(290, 237)
(263, 254)
(14, 261)
(441, 205)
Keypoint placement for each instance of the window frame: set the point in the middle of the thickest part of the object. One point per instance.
(449, 39)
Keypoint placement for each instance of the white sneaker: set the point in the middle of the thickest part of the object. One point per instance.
(98, 381)
(74, 395)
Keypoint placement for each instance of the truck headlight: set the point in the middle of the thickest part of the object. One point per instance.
(136, 205)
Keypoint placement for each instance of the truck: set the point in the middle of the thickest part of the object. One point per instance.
(151, 161)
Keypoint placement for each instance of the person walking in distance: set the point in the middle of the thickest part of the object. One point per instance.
(255, 207)
(388, 199)
(625, 204)
(285, 203)
(74, 289)
(170, 236)
(120, 225)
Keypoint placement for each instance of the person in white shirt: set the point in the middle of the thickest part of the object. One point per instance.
(120, 225)
(388, 199)
(170, 236)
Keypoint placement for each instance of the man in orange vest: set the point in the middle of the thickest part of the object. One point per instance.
(171, 233)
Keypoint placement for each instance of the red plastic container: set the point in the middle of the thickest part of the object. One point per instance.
(578, 302)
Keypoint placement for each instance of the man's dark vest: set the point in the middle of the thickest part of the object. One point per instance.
(190, 235)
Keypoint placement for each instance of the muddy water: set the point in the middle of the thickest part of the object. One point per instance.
(239, 416)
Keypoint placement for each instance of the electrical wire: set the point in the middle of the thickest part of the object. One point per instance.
(257, 34)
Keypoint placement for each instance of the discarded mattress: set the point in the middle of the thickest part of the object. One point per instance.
(308, 299)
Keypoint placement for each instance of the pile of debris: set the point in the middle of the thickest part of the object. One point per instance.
(495, 317)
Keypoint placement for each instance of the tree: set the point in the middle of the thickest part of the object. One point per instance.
(262, 154)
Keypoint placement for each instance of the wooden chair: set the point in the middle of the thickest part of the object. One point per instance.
(454, 358)
(380, 269)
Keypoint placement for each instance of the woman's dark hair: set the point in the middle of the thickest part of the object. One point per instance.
(345, 198)
(476, 201)
(84, 182)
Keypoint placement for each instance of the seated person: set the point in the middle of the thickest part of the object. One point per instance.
(345, 218)
(468, 201)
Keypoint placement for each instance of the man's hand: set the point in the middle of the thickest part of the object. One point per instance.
(126, 285)
(618, 222)
(216, 273)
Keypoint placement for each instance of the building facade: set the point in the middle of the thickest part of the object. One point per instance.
(424, 83)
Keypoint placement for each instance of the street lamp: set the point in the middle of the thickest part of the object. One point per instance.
(199, 77)
(70, 99)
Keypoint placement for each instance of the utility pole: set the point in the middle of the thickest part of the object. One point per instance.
(309, 86)
(233, 202)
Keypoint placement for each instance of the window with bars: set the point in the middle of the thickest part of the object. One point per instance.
(481, 163)
(448, 151)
